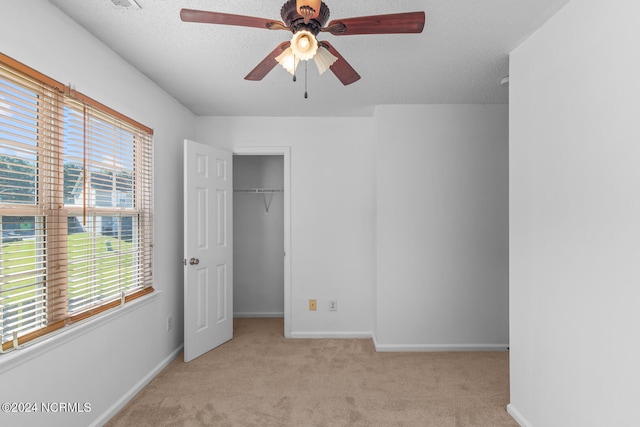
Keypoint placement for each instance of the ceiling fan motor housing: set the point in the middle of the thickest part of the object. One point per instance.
(295, 21)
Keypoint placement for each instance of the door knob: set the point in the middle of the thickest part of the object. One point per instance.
(194, 261)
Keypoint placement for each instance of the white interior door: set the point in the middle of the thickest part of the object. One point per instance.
(208, 248)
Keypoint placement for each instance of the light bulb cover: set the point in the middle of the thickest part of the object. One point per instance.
(288, 60)
(324, 59)
(304, 45)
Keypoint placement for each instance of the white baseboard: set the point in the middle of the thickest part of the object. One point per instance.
(120, 403)
(259, 314)
(516, 415)
(322, 335)
(438, 347)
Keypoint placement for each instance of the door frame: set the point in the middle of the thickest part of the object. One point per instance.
(286, 153)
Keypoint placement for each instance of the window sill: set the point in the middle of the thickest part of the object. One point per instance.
(69, 333)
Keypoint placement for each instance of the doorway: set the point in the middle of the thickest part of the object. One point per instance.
(261, 233)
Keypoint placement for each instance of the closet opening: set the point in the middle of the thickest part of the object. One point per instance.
(260, 223)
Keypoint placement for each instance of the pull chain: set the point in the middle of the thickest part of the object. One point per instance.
(305, 80)
(294, 69)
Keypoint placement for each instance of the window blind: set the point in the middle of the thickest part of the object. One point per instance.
(76, 206)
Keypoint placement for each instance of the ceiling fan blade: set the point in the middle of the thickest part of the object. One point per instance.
(267, 64)
(205, 17)
(396, 23)
(341, 68)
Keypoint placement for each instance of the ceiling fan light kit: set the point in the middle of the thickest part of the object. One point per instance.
(306, 19)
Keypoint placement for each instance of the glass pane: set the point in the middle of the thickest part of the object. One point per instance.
(18, 144)
(107, 160)
(22, 271)
(103, 259)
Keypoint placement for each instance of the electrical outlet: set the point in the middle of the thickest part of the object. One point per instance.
(169, 322)
(312, 305)
(333, 305)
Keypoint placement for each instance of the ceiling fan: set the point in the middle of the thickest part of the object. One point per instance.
(306, 19)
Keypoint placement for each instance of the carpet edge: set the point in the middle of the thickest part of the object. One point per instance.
(324, 335)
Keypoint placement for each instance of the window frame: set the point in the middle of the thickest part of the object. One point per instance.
(54, 211)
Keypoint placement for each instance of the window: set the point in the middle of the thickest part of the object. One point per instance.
(75, 206)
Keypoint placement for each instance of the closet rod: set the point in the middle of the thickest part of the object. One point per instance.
(259, 190)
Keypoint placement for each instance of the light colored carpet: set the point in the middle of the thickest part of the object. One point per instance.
(262, 379)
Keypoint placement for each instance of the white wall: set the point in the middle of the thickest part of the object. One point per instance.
(440, 182)
(332, 214)
(575, 219)
(103, 365)
(442, 227)
(258, 237)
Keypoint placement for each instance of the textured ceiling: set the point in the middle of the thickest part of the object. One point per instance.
(460, 58)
